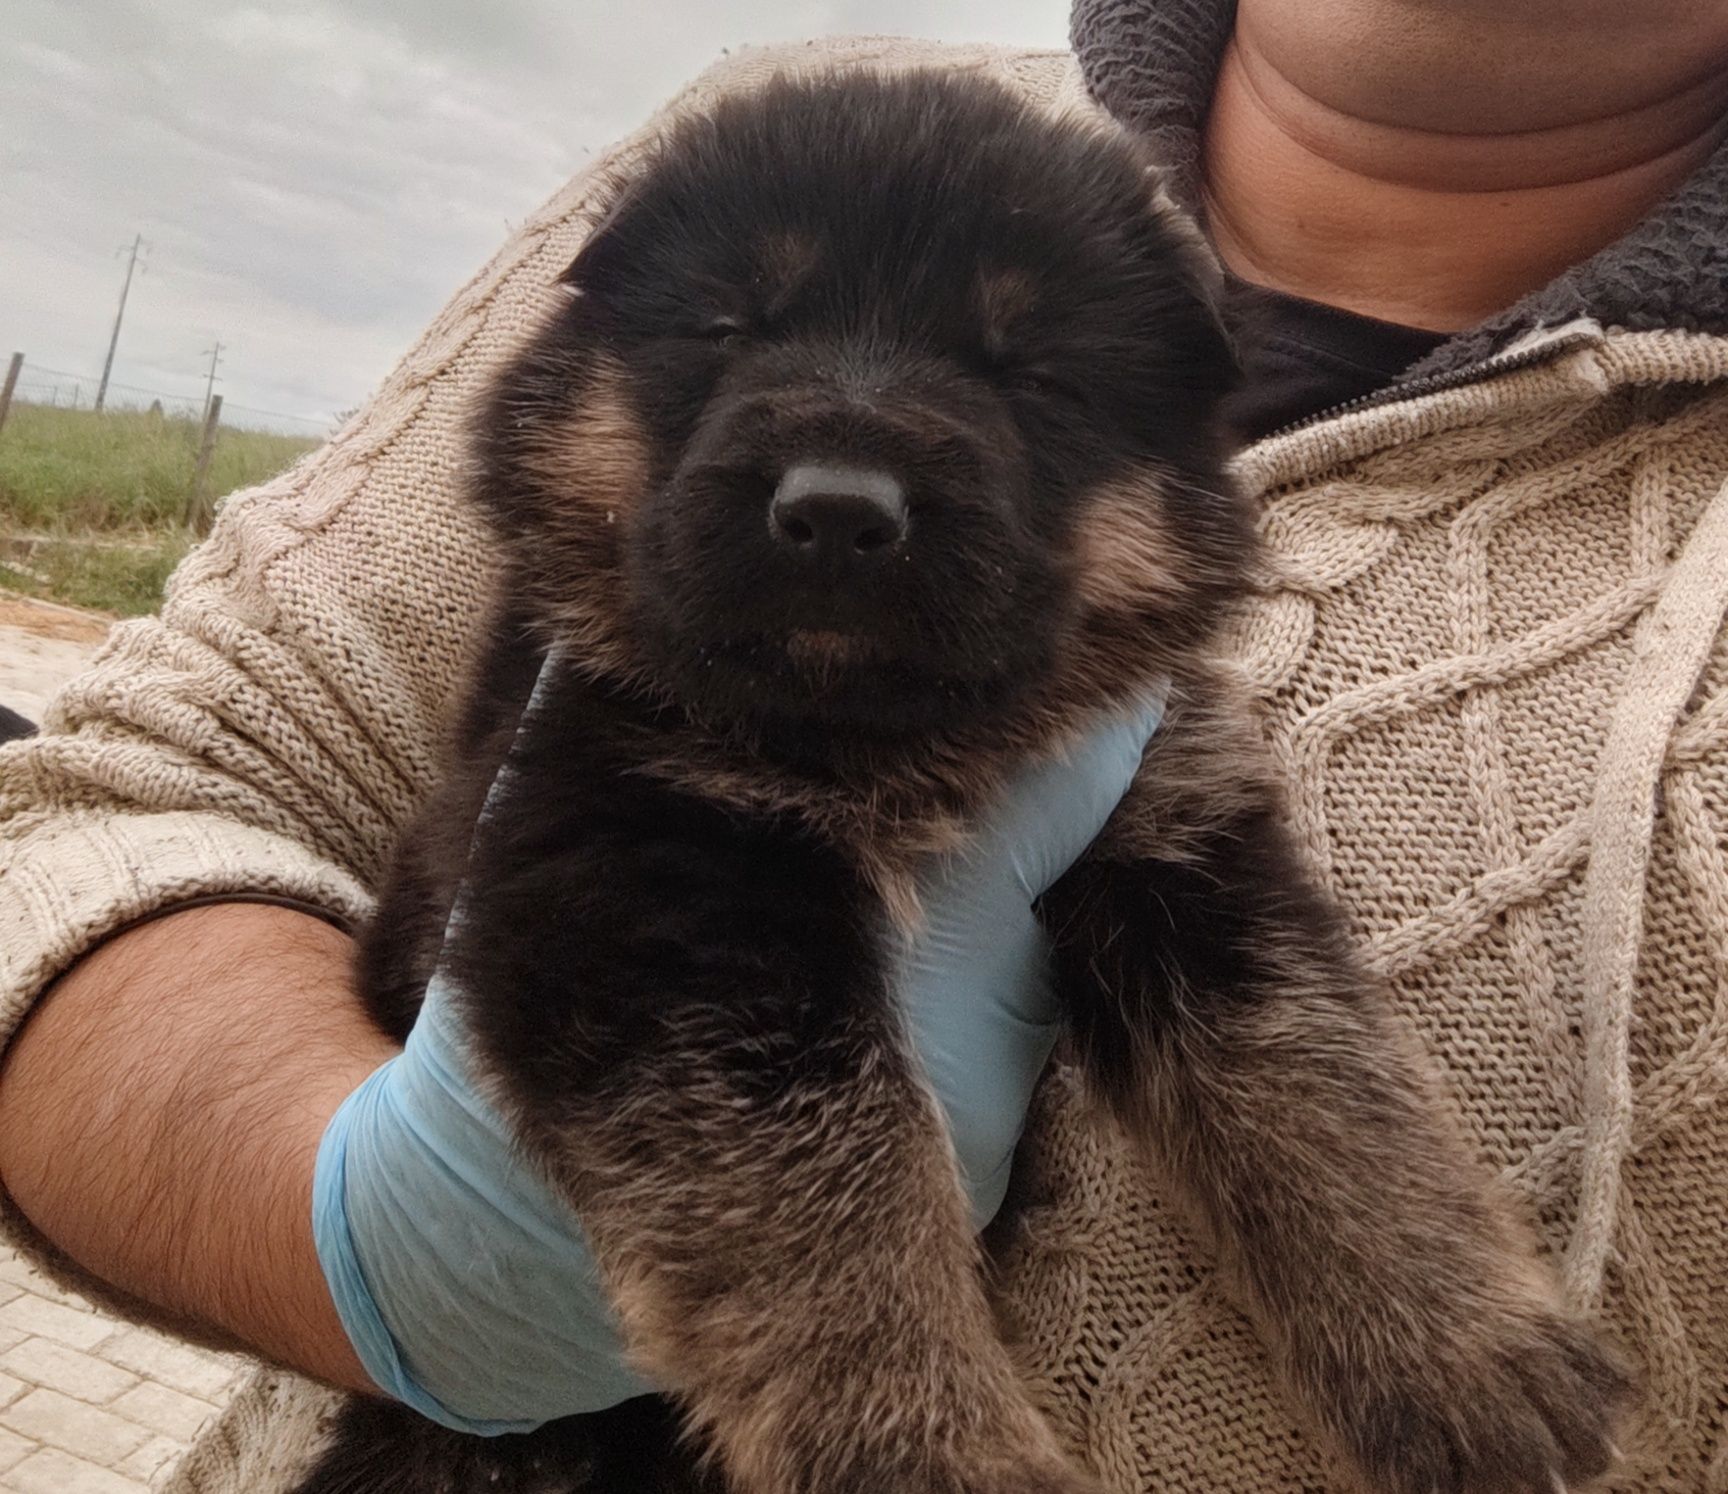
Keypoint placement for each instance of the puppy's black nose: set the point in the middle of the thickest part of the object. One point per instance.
(823, 512)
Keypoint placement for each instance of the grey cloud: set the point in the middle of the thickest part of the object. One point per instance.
(316, 178)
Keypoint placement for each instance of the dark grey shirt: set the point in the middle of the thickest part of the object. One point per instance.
(1301, 357)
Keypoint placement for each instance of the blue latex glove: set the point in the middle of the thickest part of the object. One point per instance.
(466, 1285)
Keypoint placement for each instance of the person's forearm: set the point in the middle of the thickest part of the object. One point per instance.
(161, 1111)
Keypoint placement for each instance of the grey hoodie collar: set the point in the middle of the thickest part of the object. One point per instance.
(1152, 63)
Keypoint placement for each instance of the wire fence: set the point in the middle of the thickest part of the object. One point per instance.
(39, 385)
(152, 460)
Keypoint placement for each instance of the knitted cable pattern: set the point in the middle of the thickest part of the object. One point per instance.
(1489, 641)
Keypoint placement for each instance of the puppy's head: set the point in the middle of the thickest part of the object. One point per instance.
(875, 405)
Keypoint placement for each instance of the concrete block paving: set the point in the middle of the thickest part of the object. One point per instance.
(89, 1404)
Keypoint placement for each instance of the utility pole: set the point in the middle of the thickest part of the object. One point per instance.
(210, 383)
(197, 499)
(12, 371)
(114, 341)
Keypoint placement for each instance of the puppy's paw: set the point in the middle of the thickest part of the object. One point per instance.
(1521, 1403)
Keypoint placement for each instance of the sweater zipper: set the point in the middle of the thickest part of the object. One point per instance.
(1396, 393)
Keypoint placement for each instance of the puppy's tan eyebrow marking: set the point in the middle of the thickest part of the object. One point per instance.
(1004, 296)
(1125, 549)
(597, 455)
(785, 260)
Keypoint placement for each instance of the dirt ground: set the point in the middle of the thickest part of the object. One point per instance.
(41, 646)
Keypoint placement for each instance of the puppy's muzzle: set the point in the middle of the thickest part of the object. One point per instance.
(838, 518)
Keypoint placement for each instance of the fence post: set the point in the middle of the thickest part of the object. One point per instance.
(198, 505)
(11, 384)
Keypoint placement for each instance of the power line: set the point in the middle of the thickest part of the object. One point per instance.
(284, 415)
(36, 370)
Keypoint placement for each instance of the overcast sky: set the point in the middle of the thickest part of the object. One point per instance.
(314, 180)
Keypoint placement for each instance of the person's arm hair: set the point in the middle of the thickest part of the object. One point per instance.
(161, 1110)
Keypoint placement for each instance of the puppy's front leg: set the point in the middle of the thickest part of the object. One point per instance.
(1222, 1016)
(687, 1016)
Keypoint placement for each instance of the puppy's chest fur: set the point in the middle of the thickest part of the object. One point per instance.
(596, 777)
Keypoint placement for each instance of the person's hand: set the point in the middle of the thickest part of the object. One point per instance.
(466, 1285)
(975, 983)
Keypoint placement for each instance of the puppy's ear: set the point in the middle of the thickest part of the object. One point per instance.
(598, 262)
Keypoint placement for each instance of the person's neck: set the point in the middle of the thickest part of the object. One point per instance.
(1428, 227)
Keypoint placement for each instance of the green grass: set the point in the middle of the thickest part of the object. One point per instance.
(75, 469)
(92, 506)
(124, 580)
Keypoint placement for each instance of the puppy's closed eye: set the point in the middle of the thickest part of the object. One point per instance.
(726, 331)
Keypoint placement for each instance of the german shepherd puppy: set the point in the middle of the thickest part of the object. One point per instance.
(877, 450)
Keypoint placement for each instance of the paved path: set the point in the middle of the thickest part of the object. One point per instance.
(88, 1405)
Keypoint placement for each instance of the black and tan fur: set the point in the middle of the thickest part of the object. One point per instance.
(676, 941)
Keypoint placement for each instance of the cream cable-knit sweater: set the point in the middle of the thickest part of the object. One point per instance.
(1489, 641)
